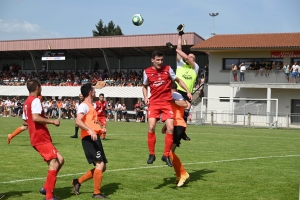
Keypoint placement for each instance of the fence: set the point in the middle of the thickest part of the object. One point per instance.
(284, 120)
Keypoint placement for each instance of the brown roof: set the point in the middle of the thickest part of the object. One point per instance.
(125, 45)
(252, 41)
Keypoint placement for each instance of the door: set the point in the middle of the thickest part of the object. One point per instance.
(295, 112)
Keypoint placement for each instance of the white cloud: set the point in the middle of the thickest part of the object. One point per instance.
(14, 30)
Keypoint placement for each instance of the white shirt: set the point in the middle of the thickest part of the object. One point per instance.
(36, 108)
(295, 68)
(83, 108)
(243, 68)
(119, 107)
(7, 103)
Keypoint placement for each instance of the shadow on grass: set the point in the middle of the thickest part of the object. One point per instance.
(64, 193)
(15, 194)
(67, 192)
(194, 176)
(110, 188)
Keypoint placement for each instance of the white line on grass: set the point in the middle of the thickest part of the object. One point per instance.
(159, 166)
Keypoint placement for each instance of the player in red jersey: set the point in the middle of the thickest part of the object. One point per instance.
(101, 111)
(159, 77)
(19, 129)
(40, 137)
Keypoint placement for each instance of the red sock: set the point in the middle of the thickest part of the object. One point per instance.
(151, 142)
(50, 183)
(168, 143)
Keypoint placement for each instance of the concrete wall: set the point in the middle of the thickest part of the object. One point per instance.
(284, 95)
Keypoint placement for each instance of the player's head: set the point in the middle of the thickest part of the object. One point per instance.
(174, 86)
(101, 97)
(192, 56)
(157, 58)
(87, 89)
(81, 97)
(34, 86)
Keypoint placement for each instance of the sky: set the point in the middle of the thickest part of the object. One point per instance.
(36, 19)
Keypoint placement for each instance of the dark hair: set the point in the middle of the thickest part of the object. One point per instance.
(32, 84)
(174, 85)
(101, 94)
(85, 89)
(157, 53)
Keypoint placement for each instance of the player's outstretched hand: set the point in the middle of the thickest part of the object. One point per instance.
(56, 122)
(180, 29)
(171, 46)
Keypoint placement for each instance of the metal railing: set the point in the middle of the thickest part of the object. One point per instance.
(268, 120)
(263, 76)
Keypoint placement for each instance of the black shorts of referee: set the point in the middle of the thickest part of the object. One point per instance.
(93, 150)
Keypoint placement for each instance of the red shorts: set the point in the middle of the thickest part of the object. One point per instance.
(163, 110)
(102, 120)
(47, 151)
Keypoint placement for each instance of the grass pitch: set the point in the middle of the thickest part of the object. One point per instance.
(223, 162)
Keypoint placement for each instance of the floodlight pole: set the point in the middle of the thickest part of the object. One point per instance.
(213, 15)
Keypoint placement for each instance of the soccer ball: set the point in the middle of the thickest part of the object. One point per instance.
(137, 19)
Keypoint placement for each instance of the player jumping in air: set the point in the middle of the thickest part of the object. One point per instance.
(159, 77)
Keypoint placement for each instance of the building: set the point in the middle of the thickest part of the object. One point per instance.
(263, 55)
(111, 53)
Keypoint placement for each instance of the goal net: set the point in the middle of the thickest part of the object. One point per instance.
(239, 111)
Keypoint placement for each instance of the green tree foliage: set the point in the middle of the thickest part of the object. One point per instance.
(105, 30)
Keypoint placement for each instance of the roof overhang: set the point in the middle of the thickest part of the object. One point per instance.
(89, 47)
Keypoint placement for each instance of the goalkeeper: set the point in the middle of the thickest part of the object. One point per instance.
(187, 70)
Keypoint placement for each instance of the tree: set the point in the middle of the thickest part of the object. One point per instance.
(110, 29)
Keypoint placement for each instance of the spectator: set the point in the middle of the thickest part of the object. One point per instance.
(242, 72)
(109, 110)
(294, 71)
(234, 72)
(118, 109)
(137, 109)
(206, 73)
(286, 70)
(124, 112)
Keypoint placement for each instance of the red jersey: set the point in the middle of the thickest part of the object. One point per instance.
(39, 133)
(100, 108)
(159, 82)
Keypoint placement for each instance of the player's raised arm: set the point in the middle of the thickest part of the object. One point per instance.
(180, 29)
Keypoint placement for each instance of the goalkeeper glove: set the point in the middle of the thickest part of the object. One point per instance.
(180, 29)
(171, 46)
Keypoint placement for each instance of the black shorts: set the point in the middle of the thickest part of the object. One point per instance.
(93, 150)
(177, 134)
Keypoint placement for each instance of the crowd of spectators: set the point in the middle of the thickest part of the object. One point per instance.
(11, 75)
(264, 68)
(66, 108)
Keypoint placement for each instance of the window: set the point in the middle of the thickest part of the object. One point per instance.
(253, 63)
(228, 99)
